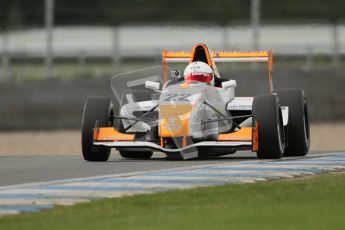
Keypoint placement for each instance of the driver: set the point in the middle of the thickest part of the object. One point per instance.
(198, 72)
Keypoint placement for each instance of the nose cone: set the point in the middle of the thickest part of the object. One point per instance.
(173, 120)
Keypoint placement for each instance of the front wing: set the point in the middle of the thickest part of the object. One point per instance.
(145, 144)
(246, 138)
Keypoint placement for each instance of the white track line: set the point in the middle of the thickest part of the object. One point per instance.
(77, 193)
(25, 201)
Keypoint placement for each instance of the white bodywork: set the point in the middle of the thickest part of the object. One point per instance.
(226, 94)
(127, 110)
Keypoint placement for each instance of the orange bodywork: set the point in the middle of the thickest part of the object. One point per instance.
(240, 54)
(255, 142)
(207, 53)
(217, 54)
(174, 120)
(175, 54)
(110, 134)
(244, 134)
(221, 56)
(184, 85)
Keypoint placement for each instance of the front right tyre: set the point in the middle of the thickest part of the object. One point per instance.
(96, 110)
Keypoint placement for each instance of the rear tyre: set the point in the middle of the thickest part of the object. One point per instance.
(132, 154)
(298, 133)
(96, 109)
(266, 111)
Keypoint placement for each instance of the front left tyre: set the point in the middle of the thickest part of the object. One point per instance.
(267, 112)
(96, 110)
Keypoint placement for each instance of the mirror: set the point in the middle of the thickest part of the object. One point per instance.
(229, 84)
(175, 74)
(152, 85)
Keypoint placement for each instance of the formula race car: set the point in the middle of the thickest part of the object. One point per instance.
(194, 114)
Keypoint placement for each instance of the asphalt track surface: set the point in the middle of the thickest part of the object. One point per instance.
(82, 181)
(29, 169)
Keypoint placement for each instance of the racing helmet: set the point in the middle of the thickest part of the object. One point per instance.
(198, 71)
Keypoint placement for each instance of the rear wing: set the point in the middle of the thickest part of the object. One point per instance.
(222, 56)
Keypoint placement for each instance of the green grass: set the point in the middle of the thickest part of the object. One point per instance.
(315, 203)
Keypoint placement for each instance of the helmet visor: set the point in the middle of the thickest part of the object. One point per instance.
(201, 77)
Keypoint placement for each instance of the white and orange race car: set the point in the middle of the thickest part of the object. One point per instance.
(195, 118)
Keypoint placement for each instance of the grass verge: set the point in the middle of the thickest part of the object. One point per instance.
(315, 203)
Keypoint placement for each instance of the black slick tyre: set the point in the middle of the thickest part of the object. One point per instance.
(96, 110)
(298, 133)
(266, 111)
